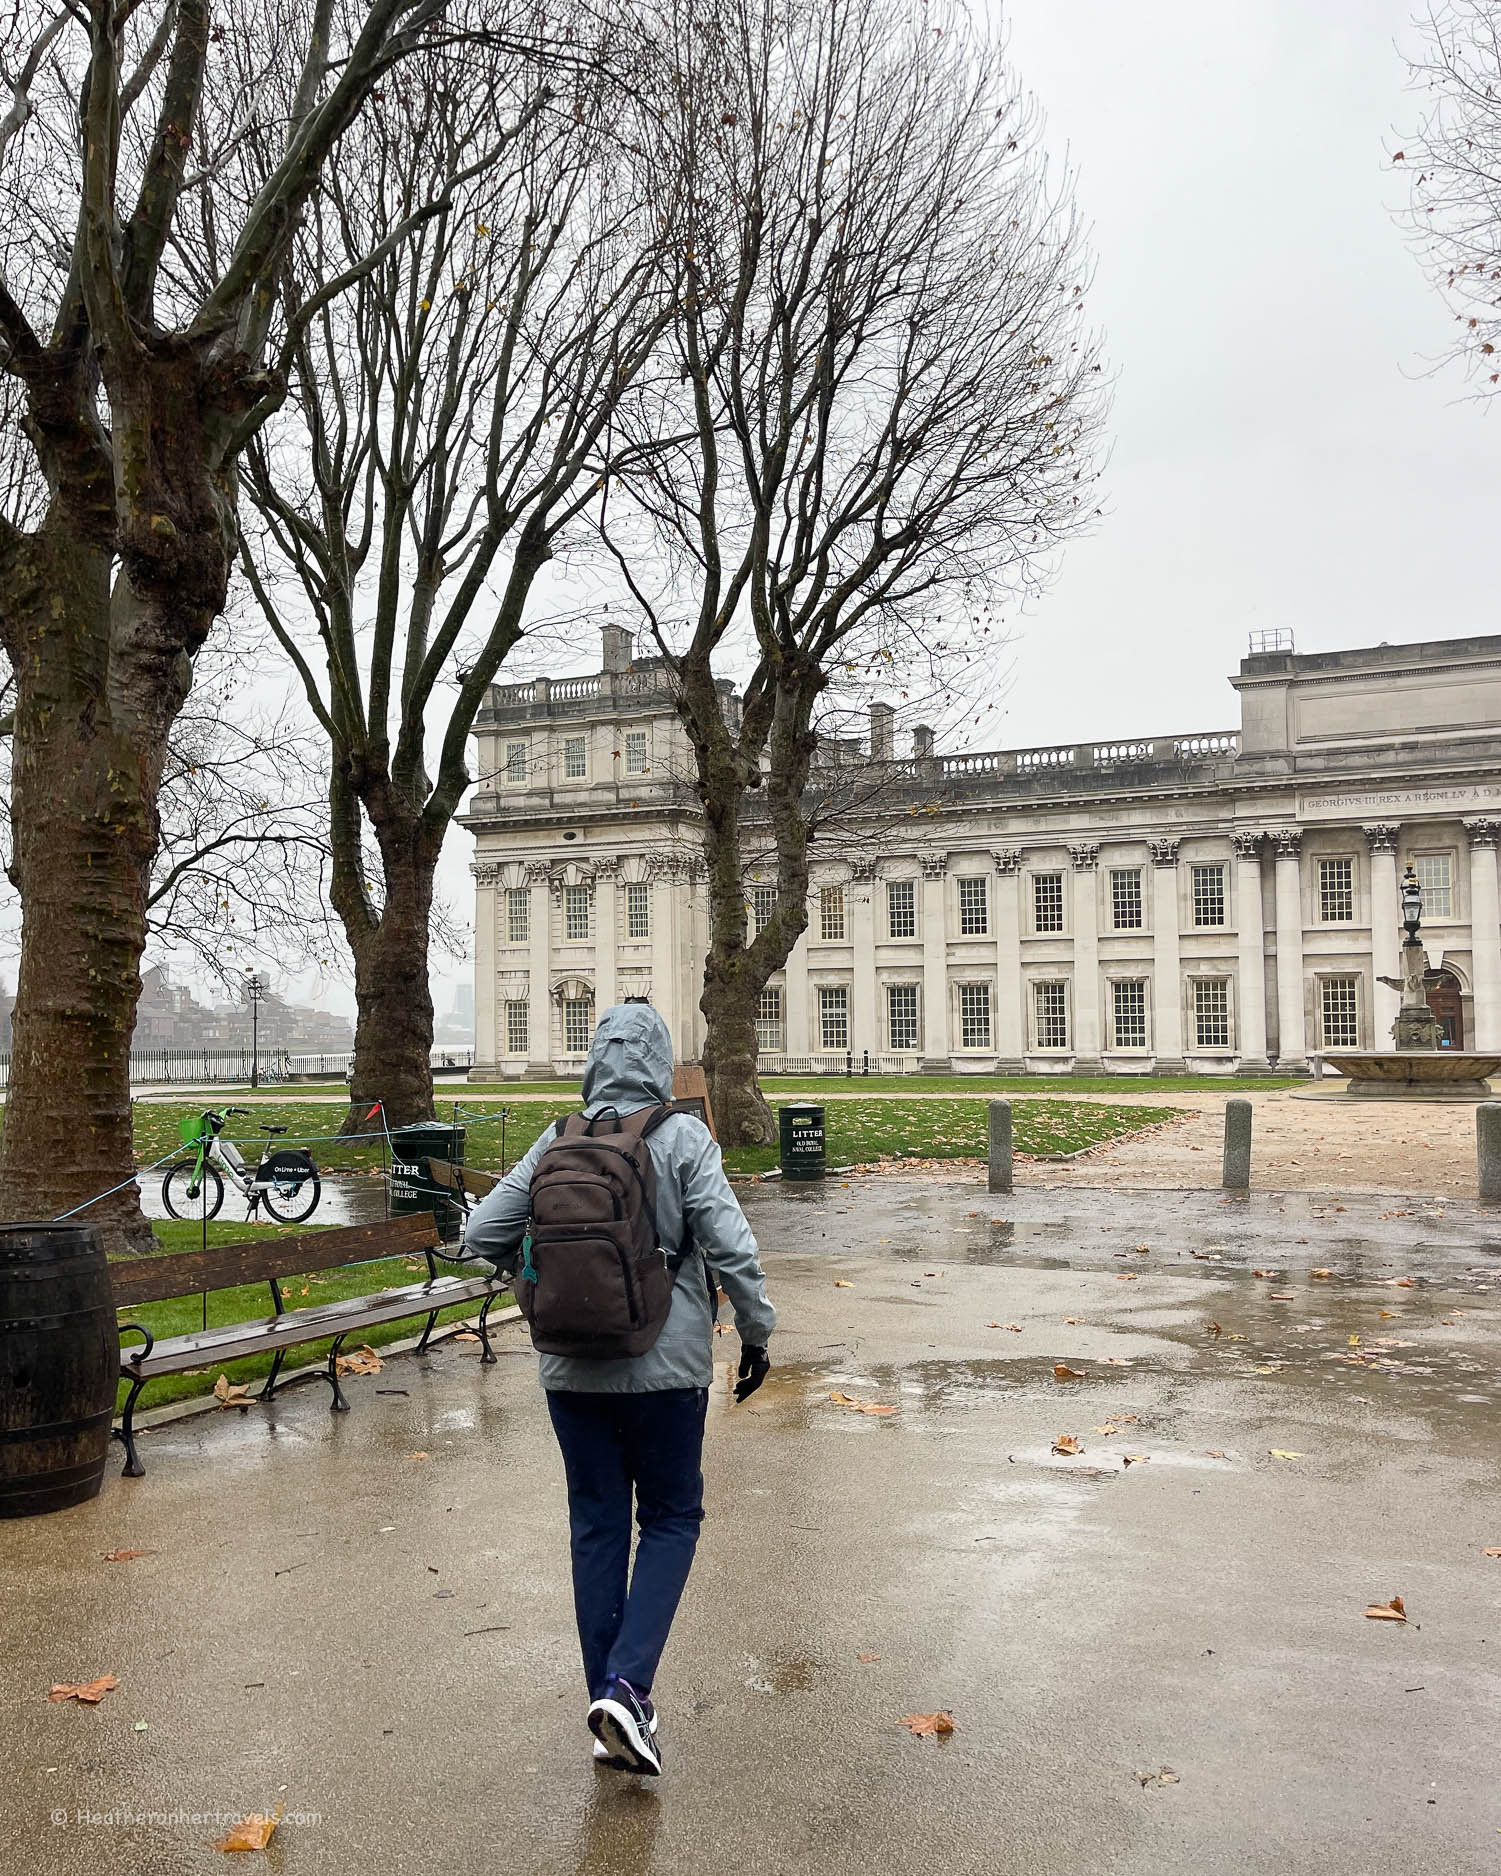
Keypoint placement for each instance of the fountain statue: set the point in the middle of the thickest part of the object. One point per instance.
(1420, 1067)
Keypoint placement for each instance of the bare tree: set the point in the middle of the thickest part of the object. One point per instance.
(131, 136)
(1454, 154)
(883, 408)
(449, 422)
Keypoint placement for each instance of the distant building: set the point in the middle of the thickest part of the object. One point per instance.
(1217, 902)
(169, 1016)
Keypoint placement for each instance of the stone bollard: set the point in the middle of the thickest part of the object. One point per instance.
(1488, 1151)
(1000, 1146)
(1236, 1176)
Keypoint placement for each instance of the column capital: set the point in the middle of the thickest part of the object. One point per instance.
(1164, 852)
(1483, 833)
(1288, 842)
(1007, 859)
(1085, 856)
(538, 872)
(934, 865)
(862, 870)
(486, 875)
(607, 867)
(1247, 843)
(1381, 837)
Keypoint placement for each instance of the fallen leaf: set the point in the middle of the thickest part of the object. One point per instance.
(416, 1455)
(465, 1335)
(843, 1283)
(124, 1556)
(1107, 1429)
(1214, 1453)
(251, 1833)
(928, 1725)
(227, 1394)
(1126, 1276)
(1390, 1315)
(1066, 1443)
(1321, 1273)
(89, 1693)
(1164, 1775)
(1393, 1611)
(1403, 1283)
(1135, 1459)
(1062, 1372)
(1073, 1318)
(860, 1406)
(363, 1361)
(1014, 1327)
(1278, 1453)
(1213, 1328)
(867, 1658)
(1282, 1296)
(1494, 1551)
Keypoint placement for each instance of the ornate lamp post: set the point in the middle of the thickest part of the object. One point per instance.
(255, 990)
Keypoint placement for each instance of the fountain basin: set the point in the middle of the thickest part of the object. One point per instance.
(1415, 1074)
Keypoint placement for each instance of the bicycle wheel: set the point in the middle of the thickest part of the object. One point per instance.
(290, 1200)
(187, 1193)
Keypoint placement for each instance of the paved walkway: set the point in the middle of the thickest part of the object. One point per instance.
(367, 1617)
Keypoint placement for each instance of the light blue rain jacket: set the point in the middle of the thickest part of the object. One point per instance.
(630, 1067)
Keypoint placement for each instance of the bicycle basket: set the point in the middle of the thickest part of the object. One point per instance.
(192, 1128)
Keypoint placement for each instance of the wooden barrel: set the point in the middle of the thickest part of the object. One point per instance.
(59, 1364)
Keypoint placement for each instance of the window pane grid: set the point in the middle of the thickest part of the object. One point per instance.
(635, 752)
(575, 758)
(831, 914)
(1341, 1013)
(1337, 891)
(578, 1025)
(1125, 899)
(1050, 1001)
(901, 908)
(576, 908)
(1047, 902)
(901, 1016)
(1209, 895)
(763, 902)
(515, 762)
(769, 1021)
(974, 1016)
(1435, 873)
(834, 1017)
(638, 911)
(1130, 1001)
(518, 915)
(974, 911)
(518, 1027)
(1212, 1012)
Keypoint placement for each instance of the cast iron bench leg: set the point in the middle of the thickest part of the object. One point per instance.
(488, 1353)
(338, 1404)
(125, 1433)
(432, 1323)
(268, 1392)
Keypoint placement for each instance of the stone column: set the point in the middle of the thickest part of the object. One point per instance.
(1386, 936)
(539, 973)
(664, 952)
(1251, 934)
(935, 964)
(1292, 1050)
(860, 922)
(606, 910)
(487, 1039)
(1485, 932)
(1010, 1018)
(1167, 973)
(1086, 914)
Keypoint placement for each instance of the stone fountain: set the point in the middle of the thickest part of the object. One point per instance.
(1418, 1068)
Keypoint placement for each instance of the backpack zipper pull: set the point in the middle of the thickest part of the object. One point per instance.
(528, 1269)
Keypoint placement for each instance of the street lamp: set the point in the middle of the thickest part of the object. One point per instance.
(255, 989)
(1412, 904)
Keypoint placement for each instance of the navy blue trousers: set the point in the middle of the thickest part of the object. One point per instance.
(617, 1447)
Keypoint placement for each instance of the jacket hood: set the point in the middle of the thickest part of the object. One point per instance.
(630, 1060)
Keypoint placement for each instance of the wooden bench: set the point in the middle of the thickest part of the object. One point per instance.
(466, 1183)
(155, 1279)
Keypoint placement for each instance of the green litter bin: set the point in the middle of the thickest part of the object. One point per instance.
(413, 1187)
(802, 1141)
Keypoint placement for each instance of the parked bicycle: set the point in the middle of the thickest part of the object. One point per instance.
(286, 1181)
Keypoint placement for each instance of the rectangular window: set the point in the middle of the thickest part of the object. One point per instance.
(515, 762)
(635, 752)
(1212, 1012)
(1337, 891)
(1129, 995)
(1047, 902)
(901, 1016)
(1125, 898)
(1209, 894)
(578, 1025)
(1050, 1003)
(974, 1016)
(518, 915)
(901, 908)
(575, 758)
(763, 902)
(1435, 873)
(518, 1028)
(576, 909)
(769, 1021)
(638, 911)
(974, 908)
(1341, 1013)
(834, 1017)
(831, 914)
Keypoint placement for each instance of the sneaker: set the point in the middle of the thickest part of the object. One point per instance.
(623, 1722)
(603, 1756)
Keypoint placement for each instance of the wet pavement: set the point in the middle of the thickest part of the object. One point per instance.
(367, 1618)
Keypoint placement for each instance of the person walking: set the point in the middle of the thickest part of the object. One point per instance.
(616, 1229)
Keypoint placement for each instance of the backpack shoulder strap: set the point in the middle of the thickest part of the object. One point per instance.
(666, 1112)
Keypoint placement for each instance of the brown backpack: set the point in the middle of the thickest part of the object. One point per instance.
(594, 1282)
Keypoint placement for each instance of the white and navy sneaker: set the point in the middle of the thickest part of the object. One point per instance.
(624, 1725)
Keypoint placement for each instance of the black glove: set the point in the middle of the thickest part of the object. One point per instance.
(755, 1365)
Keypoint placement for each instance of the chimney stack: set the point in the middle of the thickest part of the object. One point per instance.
(922, 741)
(618, 645)
(882, 732)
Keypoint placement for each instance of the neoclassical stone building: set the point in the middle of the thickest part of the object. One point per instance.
(1219, 902)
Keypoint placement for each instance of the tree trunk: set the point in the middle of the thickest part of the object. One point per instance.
(393, 1035)
(83, 810)
(741, 1114)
